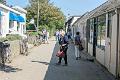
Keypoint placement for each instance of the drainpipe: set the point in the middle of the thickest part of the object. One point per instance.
(117, 46)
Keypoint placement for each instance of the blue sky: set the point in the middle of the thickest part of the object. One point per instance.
(21, 3)
(72, 7)
(77, 7)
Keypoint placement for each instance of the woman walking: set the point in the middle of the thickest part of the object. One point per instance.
(64, 46)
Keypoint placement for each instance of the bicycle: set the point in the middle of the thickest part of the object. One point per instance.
(24, 47)
(5, 53)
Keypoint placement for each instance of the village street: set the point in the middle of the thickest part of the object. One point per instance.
(40, 65)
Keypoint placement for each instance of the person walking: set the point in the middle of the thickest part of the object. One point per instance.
(47, 37)
(77, 43)
(63, 42)
(57, 34)
(44, 35)
(69, 33)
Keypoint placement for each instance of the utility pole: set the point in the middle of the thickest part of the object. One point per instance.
(38, 16)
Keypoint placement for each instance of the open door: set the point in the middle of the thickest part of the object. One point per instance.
(95, 37)
(109, 24)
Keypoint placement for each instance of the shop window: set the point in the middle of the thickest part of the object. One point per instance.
(88, 30)
(18, 26)
(91, 25)
(11, 24)
(109, 27)
(24, 29)
(101, 31)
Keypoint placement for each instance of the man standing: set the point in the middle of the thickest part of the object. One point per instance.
(44, 35)
(57, 34)
(77, 43)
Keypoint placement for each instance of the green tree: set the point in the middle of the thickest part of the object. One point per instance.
(3, 1)
(50, 15)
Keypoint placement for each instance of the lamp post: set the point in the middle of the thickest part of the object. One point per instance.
(38, 16)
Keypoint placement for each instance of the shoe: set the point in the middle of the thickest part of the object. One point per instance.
(77, 58)
(58, 63)
(65, 65)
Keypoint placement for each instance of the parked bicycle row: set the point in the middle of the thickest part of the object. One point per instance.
(6, 55)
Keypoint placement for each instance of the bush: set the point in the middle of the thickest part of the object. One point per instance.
(32, 33)
(11, 37)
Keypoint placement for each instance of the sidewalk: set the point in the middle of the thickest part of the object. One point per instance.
(40, 65)
(76, 69)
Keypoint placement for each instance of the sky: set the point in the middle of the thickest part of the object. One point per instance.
(21, 3)
(69, 7)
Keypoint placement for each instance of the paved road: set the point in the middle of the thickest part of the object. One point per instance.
(40, 65)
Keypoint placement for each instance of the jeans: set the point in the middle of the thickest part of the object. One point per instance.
(77, 51)
(57, 38)
(65, 58)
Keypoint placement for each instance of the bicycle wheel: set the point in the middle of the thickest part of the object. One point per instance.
(3, 57)
(8, 51)
(26, 49)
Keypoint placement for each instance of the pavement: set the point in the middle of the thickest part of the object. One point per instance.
(40, 64)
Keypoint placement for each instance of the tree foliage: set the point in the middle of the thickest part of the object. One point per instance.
(50, 15)
(3, 1)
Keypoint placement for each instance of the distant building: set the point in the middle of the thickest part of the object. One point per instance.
(69, 24)
(12, 20)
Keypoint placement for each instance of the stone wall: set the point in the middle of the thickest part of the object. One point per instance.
(15, 48)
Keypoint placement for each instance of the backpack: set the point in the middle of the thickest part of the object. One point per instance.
(77, 40)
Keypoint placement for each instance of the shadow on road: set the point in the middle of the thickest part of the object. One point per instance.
(76, 69)
(9, 69)
(46, 63)
(56, 72)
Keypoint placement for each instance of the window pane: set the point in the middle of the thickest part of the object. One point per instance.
(109, 27)
(101, 31)
(91, 30)
(98, 35)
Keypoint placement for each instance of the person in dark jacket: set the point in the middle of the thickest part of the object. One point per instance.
(63, 42)
(77, 43)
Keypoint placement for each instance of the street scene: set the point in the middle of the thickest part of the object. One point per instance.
(59, 40)
(40, 64)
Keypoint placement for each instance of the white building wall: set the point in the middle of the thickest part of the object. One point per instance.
(100, 55)
(13, 28)
(5, 27)
(107, 48)
(5, 22)
(90, 49)
(113, 46)
(22, 28)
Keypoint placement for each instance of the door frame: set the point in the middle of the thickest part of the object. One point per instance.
(118, 50)
(95, 37)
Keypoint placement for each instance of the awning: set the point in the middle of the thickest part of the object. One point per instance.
(13, 16)
(20, 19)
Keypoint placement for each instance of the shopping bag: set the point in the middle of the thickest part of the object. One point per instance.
(81, 47)
(60, 54)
